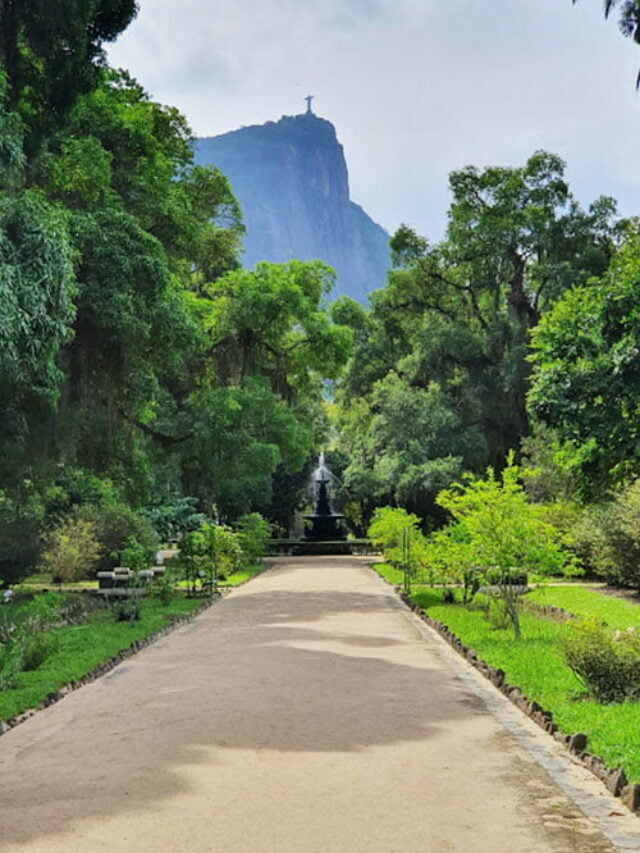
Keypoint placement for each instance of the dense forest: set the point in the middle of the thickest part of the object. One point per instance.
(149, 381)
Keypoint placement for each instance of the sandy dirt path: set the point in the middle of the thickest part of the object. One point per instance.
(305, 712)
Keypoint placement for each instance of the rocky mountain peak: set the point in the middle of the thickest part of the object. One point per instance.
(292, 181)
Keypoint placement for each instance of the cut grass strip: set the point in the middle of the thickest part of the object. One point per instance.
(81, 648)
(616, 612)
(243, 576)
(535, 665)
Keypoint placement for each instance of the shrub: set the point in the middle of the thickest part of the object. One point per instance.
(136, 556)
(496, 530)
(254, 532)
(209, 553)
(174, 517)
(397, 532)
(166, 589)
(36, 648)
(497, 614)
(609, 538)
(116, 525)
(606, 662)
(386, 531)
(128, 609)
(71, 551)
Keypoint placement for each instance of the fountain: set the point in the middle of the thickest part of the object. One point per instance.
(326, 534)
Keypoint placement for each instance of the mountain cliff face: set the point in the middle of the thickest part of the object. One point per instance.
(291, 179)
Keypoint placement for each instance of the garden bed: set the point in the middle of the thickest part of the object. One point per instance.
(535, 667)
(86, 651)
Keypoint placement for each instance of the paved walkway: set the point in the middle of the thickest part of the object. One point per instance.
(305, 713)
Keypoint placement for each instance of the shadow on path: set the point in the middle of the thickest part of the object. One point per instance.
(266, 669)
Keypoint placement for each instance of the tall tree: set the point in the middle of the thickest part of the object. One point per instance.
(51, 51)
(447, 338)
(585, 381)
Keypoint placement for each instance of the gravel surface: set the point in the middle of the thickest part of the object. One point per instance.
(307, 711)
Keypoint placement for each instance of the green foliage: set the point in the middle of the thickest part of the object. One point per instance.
(174, 517)
(495, 529)
(608, 538)
(52, 52)
(606, 662)
(21, 516)
(71, 550)
(37, 293)
(166, 588)
(585, 384)
(254, 532)
(116, 526)
(136, 556)
(438, 379)
(128, 609)
(36, 649)
(386, 531)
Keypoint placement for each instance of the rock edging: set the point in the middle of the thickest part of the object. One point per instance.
(105, 667)
(615, 780)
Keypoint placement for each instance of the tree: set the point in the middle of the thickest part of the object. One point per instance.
(494, 532)
(439, 376)
(71, 550)
(52, 51)
(629, 20)
(585, 381)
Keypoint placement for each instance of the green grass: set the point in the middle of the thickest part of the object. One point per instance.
(42, 580)
(616, 612)
(535, 665)
(387, 572)
(242, 576)
(81, 648)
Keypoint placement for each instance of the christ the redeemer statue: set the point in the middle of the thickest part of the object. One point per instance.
(308, 99)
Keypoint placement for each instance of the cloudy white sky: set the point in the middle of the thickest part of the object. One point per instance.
(415, 88)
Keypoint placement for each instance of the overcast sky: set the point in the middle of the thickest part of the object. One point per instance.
(415, 88)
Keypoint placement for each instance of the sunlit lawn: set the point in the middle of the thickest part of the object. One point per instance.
(535, 664)
(82, 647)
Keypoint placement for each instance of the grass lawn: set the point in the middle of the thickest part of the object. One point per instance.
(81, 648)
(242, 576)
(535, 665)
(616, 612)
(42, 580)
(387, 572)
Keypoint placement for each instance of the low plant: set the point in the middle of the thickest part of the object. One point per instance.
(136, 555)
(254, 532)
(606, 662)
(10, 664)
(166, 589)
(71, 550)
(128, 609)
(37, 647)
(26, 650)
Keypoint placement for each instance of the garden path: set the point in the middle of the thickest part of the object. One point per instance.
(308, 711)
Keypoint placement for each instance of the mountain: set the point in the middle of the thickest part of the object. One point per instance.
(291, 179)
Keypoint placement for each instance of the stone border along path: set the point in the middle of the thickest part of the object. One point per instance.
(614, 779)
(105, 667)
(309, 712)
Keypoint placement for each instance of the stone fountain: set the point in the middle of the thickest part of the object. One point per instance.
(326, 532)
